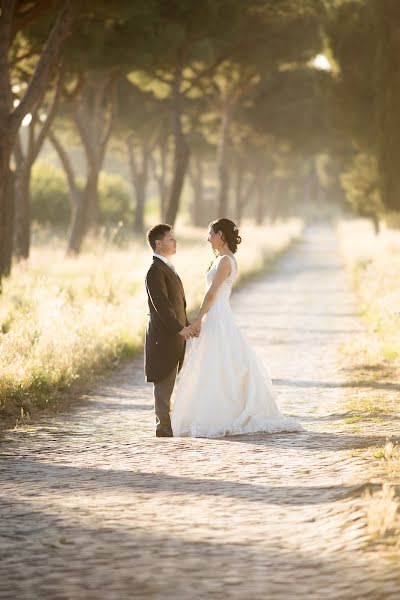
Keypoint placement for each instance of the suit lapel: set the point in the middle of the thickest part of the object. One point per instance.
(170, 272)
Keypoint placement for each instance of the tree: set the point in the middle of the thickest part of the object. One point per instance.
(280, 128)
(230, 91)
(265, 39)
(360, 183)
(385, 16)
(140, 124)
(109, 41)
(184, 51)
(25, 155)
(92, 112)
(159, 163)
(14, 16)
(364, 41)
(199, 169)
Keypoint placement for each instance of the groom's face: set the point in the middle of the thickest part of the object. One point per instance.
(167, 246)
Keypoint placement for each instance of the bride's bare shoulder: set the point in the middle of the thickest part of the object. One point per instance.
(230, 259)
(224, 264)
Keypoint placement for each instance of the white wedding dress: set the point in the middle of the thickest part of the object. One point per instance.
(223, 387)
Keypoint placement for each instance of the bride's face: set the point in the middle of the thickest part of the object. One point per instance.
(215, 239)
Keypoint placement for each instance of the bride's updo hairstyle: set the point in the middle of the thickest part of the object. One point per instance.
(229, 232)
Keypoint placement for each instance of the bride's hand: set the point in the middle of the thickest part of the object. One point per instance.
(196, 326)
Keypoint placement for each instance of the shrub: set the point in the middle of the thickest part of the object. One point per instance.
(115, 200)
(50, 203)
(50, 200)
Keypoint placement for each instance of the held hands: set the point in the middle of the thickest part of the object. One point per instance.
(187, 332)
(196, 327)
(191, 331)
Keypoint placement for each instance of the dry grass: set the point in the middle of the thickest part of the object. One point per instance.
(392, 457)
(374, 265)
(63, 320)
(383, 509)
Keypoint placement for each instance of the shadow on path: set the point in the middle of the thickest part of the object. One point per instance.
(371, 384)
(238, 570)
(90, 480)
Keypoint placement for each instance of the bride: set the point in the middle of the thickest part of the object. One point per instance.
(224, 388)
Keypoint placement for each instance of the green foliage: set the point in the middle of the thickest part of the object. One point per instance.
(364, 37)
(50, 203)
(49, 195)
(115, 200)
(291, 105)
(360, 183)
(386, 15)
(114, 35)
(352, 37)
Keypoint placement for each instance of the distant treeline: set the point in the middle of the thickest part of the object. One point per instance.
(261, 107)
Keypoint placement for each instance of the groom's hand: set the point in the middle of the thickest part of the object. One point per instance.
(187, 333)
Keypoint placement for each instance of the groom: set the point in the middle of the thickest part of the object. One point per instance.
(168, 327)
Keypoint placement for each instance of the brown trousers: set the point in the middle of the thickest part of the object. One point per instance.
(162, 402)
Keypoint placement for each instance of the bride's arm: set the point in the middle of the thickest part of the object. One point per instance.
(223, 271)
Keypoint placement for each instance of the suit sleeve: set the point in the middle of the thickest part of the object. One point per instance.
(158, 294)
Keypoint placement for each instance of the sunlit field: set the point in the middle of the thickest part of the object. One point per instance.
(374, 264)
(63, 319)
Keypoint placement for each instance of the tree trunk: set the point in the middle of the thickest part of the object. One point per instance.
(181, 152)
(78, 227)
(89, 133)
(239, 192)
(222, 165)
(139, 179)
(24, 160)
(22, 225)
(91, 200)
(6, 206)
(162, 179)
(10, 119)
(228, 102)
(74, 191)
(160, 174)
(140, 192)
(197, 181)
(248, 192)
(376, 224)
(273, 200)
(83, 215)
(260, 208)
(95, 130)
(7, 134)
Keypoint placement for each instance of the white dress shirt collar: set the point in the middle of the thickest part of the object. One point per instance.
(167, 262)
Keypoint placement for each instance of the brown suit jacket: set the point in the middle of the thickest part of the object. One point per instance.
(164, 347)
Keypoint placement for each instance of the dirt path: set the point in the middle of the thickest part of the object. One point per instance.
(94, 507)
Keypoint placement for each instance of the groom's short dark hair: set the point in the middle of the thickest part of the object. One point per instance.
(157, 233)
